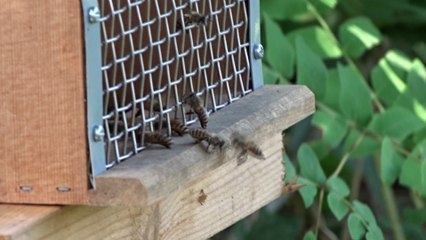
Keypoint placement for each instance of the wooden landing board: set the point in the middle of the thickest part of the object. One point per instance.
(155, 173)
(232, 194)
(42, 120)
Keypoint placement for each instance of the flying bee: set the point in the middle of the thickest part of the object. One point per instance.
(175, 125)
(214, 140)
(197, 107)
(245, 146)
(202, 197)
(193, 18)
(158, 138)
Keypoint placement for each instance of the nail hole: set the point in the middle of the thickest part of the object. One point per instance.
(26, 188)
(63, 189)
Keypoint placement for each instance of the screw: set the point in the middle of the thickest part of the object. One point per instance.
(98, 133)
(258, 51)
(94, 14)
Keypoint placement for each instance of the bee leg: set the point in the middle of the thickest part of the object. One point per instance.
(242, 158)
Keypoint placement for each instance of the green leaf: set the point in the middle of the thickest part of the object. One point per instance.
(408, 101)
(336, 184)
(329, 3)
(269, 76)
(416, 216)
(364, 211)
(333, 129)
(308, 192)
(356, 228)
(423, 172)
(331, 98)
(311, 71)
(411, 175)
(367, 146)
(420, 49)
(386, 82)
(281, 10)
(390, 162)
(279, 52)
(310, 167)
(374, 233)
(318, 40)
(357, 35)
(399, 63)
(396, 122)
(354, 95)
(290, 170)
(337, 205)
(309, 236)
(416, 81)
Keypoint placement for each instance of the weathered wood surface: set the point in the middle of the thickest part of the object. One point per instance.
(156, 172)
(172, 211)
(232, 193)
(42, 108)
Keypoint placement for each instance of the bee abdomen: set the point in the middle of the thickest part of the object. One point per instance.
(199, 134)
(158, 138)
(202, 116)
(255, 150)
(178, 127)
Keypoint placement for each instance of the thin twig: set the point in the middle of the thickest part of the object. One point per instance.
(345, 157)
(321, 198)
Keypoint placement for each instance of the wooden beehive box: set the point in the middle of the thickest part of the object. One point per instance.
(153, 194)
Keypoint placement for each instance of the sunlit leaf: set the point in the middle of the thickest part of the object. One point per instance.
(281, 10)
(329, 3)
(336, 184)
(310, 167)
(354, 96)
(396, 122)
(311, 71)
(416, 81)
(332, 127)
(337, 205)
(309, 236)
(279, 53)
(356, 228)
(318, 40)
(390, 162)
(387, 85)
(357, 35)
(308, 192)
(399, 63)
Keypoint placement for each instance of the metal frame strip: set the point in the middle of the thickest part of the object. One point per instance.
(94, 99)
(256, 61)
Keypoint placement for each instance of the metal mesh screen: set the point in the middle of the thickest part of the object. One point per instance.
(152, 56)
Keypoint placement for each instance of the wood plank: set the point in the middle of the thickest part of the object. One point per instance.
(232, 193)
(155, 173)
(42, 120)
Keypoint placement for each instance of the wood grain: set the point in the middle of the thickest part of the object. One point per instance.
(232, 194)
(42, 120)
(155, 173)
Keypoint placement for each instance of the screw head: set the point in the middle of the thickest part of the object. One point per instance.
(258, 51)
(94, 14)
(98, 133)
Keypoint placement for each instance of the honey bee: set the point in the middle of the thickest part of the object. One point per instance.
(202, 197)
(196, 105)
(193, 18)
(158, 138)
(291, 186)
(216, 141)
(245, 146)
(175, 125)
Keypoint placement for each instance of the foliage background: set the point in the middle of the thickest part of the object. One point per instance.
(362, 155)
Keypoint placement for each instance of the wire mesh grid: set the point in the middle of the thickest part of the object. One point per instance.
(156, 52)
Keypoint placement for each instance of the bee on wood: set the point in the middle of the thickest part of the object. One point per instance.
(216, 141)
(193, 18)
(158, 138)
(245, 147)
(202, 197)
(197, 107)
(175, 125)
